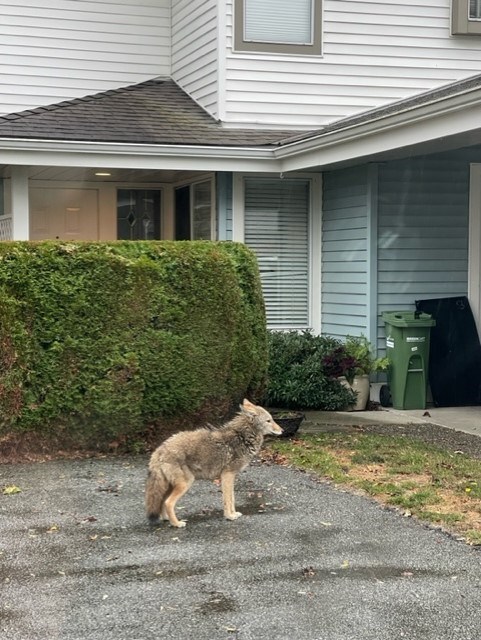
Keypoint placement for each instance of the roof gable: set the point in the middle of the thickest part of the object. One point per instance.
(153, 112)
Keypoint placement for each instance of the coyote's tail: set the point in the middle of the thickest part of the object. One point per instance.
(156, 490)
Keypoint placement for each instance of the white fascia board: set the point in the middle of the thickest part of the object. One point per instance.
(425, 123)
(130, 156)
(416, 124)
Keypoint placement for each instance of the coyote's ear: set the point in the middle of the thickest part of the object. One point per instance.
(248, 407)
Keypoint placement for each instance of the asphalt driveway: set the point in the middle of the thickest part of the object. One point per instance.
(307, 561)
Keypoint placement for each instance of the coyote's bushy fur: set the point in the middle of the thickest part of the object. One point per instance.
(205, 454)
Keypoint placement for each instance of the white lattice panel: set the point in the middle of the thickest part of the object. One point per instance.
(5, 228)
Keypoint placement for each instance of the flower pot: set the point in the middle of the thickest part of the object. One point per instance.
(289, 421)
(361, 386)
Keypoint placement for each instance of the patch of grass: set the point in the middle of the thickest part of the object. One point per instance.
(318, 460)
(423, 480)
(416, 499)
(473, 536)
(442, 518)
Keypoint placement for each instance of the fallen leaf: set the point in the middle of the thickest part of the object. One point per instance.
(53, 528)
(345, 564)
(308, 572)
(10, 490)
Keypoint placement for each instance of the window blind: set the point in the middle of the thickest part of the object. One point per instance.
(475, 9)
(282, 21)
(277, 229)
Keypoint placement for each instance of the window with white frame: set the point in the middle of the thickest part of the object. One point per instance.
(278, 26)
(466, 17)
(276, 220)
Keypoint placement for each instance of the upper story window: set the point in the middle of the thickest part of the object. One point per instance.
(278, 26)
(466, 17)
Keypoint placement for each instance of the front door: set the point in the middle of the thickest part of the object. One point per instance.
(63, 214)
(138, 214)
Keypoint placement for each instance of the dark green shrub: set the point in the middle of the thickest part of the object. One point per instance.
(100, 339)
(300, 374)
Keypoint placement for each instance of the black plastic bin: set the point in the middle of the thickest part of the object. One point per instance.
(455, 355)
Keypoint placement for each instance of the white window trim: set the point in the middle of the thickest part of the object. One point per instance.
(243, 45)
(461, 23)
(315, 225)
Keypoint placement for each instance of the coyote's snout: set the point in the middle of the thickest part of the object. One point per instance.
(205, 454)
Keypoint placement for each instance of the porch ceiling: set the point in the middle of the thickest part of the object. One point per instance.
(76, 174)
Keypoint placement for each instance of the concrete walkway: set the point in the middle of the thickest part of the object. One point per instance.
(465, 419)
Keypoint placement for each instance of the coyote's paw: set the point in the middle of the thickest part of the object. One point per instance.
(179, 524)
(233, 516)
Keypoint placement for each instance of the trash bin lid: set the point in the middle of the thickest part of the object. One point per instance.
(408, 319)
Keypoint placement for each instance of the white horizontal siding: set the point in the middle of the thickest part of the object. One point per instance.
(373, 53)
(195, 50)
(72, 48)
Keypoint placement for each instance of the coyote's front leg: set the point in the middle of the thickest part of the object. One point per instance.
(227, 479)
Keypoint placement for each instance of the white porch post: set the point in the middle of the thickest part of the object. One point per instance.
(20, 205)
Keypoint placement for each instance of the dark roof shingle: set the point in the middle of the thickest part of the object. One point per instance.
(153, 112)
(159, 112)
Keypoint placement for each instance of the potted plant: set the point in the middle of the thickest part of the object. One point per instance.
(359, 348)
(289, 421)
(340, 364)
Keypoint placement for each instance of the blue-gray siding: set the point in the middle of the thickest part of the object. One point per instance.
(423, 209)
(345, 252)
(224, 205)
(393, 234)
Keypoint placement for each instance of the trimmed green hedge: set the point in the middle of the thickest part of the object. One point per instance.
(100, 339)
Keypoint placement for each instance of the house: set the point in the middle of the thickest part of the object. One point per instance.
(340, 139)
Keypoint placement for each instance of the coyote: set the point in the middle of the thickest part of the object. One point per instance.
(205, 454)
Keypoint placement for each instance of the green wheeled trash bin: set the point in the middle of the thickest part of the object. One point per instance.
(407, 347)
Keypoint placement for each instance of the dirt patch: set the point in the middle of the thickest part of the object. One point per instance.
(35, 447)
(31, 447)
